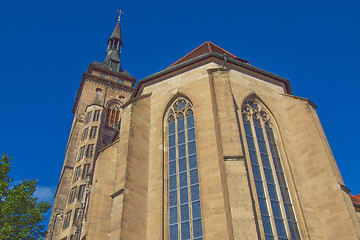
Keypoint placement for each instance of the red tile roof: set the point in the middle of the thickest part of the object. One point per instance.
(206, 47)
(355, 199)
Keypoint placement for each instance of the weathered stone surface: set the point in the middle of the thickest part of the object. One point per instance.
(128, 192)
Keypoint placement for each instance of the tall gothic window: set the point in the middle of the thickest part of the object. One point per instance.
(184, 218)
(113, 113)
(277, 214)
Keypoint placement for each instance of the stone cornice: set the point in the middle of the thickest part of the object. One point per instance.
(300, 98)
(119, 75)
(135, 99)
(208, 57)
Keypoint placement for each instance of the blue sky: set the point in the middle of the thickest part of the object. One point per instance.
(46, 46)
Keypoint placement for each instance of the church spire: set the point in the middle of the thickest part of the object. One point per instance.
(114, 44)
(113, 52)
(115, 40)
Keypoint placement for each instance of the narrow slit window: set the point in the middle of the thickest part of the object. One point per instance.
(81, 153)
(88, 118)
(96, 115)
(76, 215)
(85, 171)
(67, 219)
(81, 192)
(85, 134)
(77, 173)
(93, 132)
(89, 150)
(72, 195)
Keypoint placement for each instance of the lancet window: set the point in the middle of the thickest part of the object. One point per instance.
(93, 132)
(88, 118)
(276, 210)
(96, 115)
(113, 114)
(184, 210)
(67, 219)
(77, 173)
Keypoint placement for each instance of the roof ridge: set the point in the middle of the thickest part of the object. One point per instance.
(187, 55)
(209, 46)
(232, 55)
(206, 47)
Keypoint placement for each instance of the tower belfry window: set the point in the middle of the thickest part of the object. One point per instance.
(184, 210)
(114, 66)
(115, 43)
(276, 210)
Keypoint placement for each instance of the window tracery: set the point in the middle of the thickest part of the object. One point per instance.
(276, 210)
(184, 210)
(113, 113)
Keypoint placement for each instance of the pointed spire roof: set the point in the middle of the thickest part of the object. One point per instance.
(117, 32)
(206, 47)
(112, 60)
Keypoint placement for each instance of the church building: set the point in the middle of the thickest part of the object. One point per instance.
(209, 148)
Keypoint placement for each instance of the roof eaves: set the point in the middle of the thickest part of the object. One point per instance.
(204, 56)
(263, 72)
(168, 70)
(118, 74)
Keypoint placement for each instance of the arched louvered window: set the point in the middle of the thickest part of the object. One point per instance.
(113, 113)
(184, 211)
(276, 210)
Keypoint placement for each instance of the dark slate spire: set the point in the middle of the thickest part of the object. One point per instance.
(112, 60)
(115, 40)
(117, 32)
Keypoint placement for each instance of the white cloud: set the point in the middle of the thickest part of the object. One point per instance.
(44, 193)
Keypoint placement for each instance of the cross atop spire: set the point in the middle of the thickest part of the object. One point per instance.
(120, 12)
(112, 60)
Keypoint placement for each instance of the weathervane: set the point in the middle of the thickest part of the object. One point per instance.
(120, 12)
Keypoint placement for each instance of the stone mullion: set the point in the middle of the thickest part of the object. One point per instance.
(251, 173)
(276, 180)
(264, 183)
(188, 174)
(177, 176)
(167, 173)
(166, 192)
(289, 202)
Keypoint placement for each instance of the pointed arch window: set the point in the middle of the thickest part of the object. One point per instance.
(113, 113)
(184, 210)
(276, 210)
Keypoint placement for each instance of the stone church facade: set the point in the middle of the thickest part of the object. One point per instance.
(209, 148)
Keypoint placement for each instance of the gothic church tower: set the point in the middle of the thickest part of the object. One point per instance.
(104, 88)
(209, 148)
